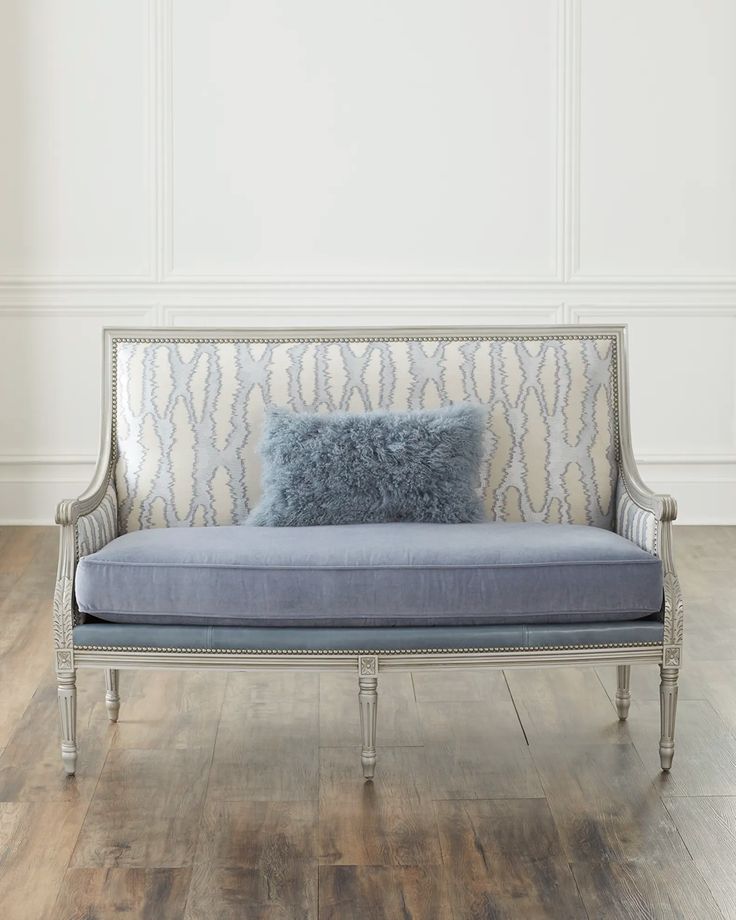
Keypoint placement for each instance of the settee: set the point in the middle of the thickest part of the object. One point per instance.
(573, 565)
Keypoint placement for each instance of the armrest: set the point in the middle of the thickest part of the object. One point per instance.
(87, 524)
(99, 526)
(645, 518)
(641, 513)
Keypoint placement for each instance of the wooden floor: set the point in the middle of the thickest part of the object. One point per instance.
(497, 795)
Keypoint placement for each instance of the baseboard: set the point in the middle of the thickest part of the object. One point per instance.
(31, 487)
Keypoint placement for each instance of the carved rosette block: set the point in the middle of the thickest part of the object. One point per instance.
(64, 660)
(368, 665)
(368, 701)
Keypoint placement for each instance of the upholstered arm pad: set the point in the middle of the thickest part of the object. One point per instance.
(88, 523)
(93, 517)
(640, 513)
(100, 526)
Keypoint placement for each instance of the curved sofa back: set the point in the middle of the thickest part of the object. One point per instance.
(187, 410)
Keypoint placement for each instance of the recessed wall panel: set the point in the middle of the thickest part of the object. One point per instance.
(74, 155)
(383, 138)
(683, 384)
(51, 378)
(657, 184)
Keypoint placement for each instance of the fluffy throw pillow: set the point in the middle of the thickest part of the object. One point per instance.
(372, 467)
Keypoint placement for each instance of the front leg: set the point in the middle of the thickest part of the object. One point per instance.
(67, 692)
(623, 691)
(368, 700)
(112, 693)
(668, 711)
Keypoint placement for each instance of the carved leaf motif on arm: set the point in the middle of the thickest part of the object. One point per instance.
(63, 613)
(674, 610)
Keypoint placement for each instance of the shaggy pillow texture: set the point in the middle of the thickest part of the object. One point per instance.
(372, 467)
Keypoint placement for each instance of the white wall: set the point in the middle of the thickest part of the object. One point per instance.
(399, 161)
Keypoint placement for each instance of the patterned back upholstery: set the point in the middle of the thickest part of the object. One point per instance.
(187, 415)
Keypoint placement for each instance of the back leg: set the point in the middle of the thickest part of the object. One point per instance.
(112, 694)
(623, 691)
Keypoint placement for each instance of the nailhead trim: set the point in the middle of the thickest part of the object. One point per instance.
(344, 336)
(327, 652)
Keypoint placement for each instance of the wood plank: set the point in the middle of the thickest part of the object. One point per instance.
(553, 702)
(257, 834)
(504, 858)
(106, 894)
(605, 804)
(339, 717)
(458, 685)
(235, 893)
(708, 827)
(711, 629)
(146, 810)
(256, 859)
(382, 893)
(36, 841)
(476, 750)
(25, 662)
(403, 773)
(23, 546)
(387, 822)
(713, 681)
(26, 655)
(28, 568)
(648, 888)
(268, 741)
(705, 749)
(30, 765)
(168, 710)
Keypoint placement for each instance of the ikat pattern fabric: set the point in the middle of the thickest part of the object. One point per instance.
(634, 522)
(188, 418)
(99, 527)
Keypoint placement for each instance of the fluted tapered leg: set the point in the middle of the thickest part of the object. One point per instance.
(623, 691)
(67, 692)
(112, 695)
(668, 711)
(368, 699)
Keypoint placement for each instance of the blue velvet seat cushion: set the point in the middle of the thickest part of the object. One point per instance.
(360, 575)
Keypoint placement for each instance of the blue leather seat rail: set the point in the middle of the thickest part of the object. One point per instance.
(370, 575)
(390, 639)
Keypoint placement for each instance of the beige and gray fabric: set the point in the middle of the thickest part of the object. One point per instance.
(188, 416)
(637, 524)
(99, 527)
